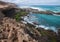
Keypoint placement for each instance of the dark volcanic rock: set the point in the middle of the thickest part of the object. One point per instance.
(49, 12)
(8, 9)
(47, 35)
(58, 13)
(9, 12)
(1, 15)
(2, 3)
(58, 36)
(37, 11)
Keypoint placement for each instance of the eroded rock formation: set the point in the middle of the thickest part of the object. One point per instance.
(13, 31)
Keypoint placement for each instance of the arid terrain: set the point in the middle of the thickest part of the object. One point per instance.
(14, 31)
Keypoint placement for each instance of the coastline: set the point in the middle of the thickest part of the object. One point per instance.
(12, 30)
(26, 21)
(39, 10)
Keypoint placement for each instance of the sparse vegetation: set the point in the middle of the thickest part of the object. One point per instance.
(12, 31)
(19, 14)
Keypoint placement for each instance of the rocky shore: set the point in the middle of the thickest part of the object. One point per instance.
(13, 31)
(4, 6)
(48, 12)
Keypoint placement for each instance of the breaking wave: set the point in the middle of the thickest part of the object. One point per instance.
(40, 9)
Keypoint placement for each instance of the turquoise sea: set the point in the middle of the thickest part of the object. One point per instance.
(54, 8)
(46, 21)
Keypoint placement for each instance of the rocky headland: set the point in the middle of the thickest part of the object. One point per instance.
(6, 8)
(14, 31)
(48, 12)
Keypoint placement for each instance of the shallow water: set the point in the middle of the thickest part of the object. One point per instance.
(45, 21)
(48, 20)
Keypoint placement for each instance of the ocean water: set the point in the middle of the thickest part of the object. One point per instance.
(43, 20)
(54, 8)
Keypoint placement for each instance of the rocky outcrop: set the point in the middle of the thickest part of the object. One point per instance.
(1, 15)
(37, 11)
(45, 12)
(58, 13)
(58, 37)
(12, 31)
(6, 5)
(10, 12)
(8, 9)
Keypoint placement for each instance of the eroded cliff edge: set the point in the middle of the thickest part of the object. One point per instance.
(13, 31)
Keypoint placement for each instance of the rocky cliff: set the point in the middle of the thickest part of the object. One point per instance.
(5, 5)
(13, 31)
(8, 9)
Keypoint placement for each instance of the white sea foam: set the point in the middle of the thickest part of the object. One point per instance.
(47, 27)
(32, 20)
(42, 26)
(40, 9)
(56, 14)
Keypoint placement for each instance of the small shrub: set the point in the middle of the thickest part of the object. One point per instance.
(19, 15)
